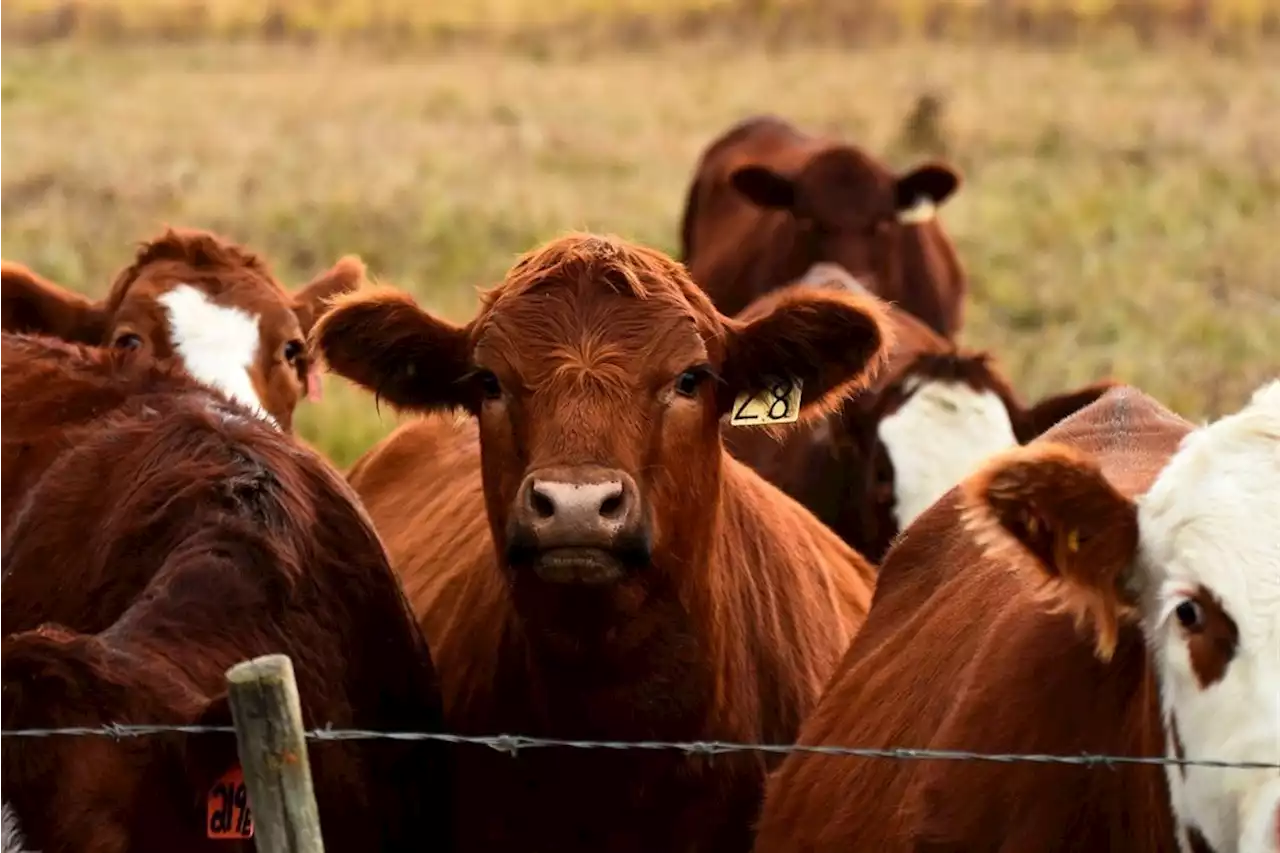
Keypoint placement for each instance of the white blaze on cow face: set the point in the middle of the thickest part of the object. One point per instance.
(943, 431)
(824, 273)
(1208, 573)
(218, 344)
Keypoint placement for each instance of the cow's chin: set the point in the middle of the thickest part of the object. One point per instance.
(579, 566)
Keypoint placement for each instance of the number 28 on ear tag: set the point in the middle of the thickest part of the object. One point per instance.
(778, 402)
(228, 816)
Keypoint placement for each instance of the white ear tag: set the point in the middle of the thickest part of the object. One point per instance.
(776, 403)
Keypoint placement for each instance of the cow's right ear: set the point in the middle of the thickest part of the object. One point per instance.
(33, 304)
(380, 339)
(207, 757)
(1054, 504)
(764, 187)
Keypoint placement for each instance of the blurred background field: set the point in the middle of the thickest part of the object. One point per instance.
(1120, 213)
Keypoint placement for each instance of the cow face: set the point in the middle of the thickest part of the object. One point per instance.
(931, 424)
(208, 303)
(1197, 561)
(599, 374)
(852, 206)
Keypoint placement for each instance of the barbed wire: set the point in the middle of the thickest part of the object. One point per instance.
(512, 744)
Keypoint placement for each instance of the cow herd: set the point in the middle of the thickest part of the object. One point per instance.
(755, 495)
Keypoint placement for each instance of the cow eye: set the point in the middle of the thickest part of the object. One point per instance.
(128, 340)
(292, 350)
(489, 384)
(687, 383)
(1190, 615)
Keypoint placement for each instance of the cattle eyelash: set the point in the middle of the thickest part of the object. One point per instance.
(707, 371)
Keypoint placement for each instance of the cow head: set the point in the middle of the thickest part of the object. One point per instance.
(854, 209)
(1197, 561)
(599, 374)
(196, 297)
(930, 424)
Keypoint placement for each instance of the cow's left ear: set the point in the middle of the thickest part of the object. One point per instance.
(1054, 504)
(830, 341)
(931, 182)
(207, 758)
(311, 300)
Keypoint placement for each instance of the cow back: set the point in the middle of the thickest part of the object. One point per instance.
(960, 653)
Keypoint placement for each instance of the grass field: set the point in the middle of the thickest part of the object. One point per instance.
(1119, 215)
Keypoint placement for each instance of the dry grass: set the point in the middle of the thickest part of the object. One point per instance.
(1119, 215)
(1223, 22)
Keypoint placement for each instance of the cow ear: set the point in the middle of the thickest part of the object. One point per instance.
(1054, 504)
(764, 187)
(829, 340)
(933, 183)
(311, 300)
(33, 304)
(206, 757)
(1050, 410)
(380, 339)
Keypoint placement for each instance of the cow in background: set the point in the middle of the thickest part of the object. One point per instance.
(586, 560)
(197, 297)
(927, 419)
(768, 202)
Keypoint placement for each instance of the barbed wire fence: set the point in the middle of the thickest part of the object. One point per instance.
(514, 744)
(274, 777)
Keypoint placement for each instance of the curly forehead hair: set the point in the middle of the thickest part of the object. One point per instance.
(628, 269)
(198, 249)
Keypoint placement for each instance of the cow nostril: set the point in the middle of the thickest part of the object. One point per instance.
(542, 505)
(611, 506)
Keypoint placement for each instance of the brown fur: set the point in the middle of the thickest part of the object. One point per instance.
(959, 652)
(837, 466)
(1212, 645)
(229, 274)
(728, 631)
(156, 533)
(767, 201)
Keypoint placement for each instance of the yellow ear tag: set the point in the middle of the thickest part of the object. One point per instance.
(777, 403)
(921, 210)
(1073, 541)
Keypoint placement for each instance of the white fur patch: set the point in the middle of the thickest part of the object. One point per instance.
(824, 273)
(217, 343)
(1212, 520)
(922, 210)
(937, 438)
(11, 840)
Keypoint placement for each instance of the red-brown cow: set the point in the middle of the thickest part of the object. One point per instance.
(586, 560)
(1113, 588)
(197, 297)
(927, 419)
(168, 534)
(768, 202)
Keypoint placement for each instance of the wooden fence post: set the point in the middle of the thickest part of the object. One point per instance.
(273, 752)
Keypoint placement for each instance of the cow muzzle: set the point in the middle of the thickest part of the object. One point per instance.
(581, 525)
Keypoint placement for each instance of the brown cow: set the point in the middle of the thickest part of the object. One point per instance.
(168, 534)
(926, 420)
(1137, 615)
(768, 202)
(586, 560)
(193, 295)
